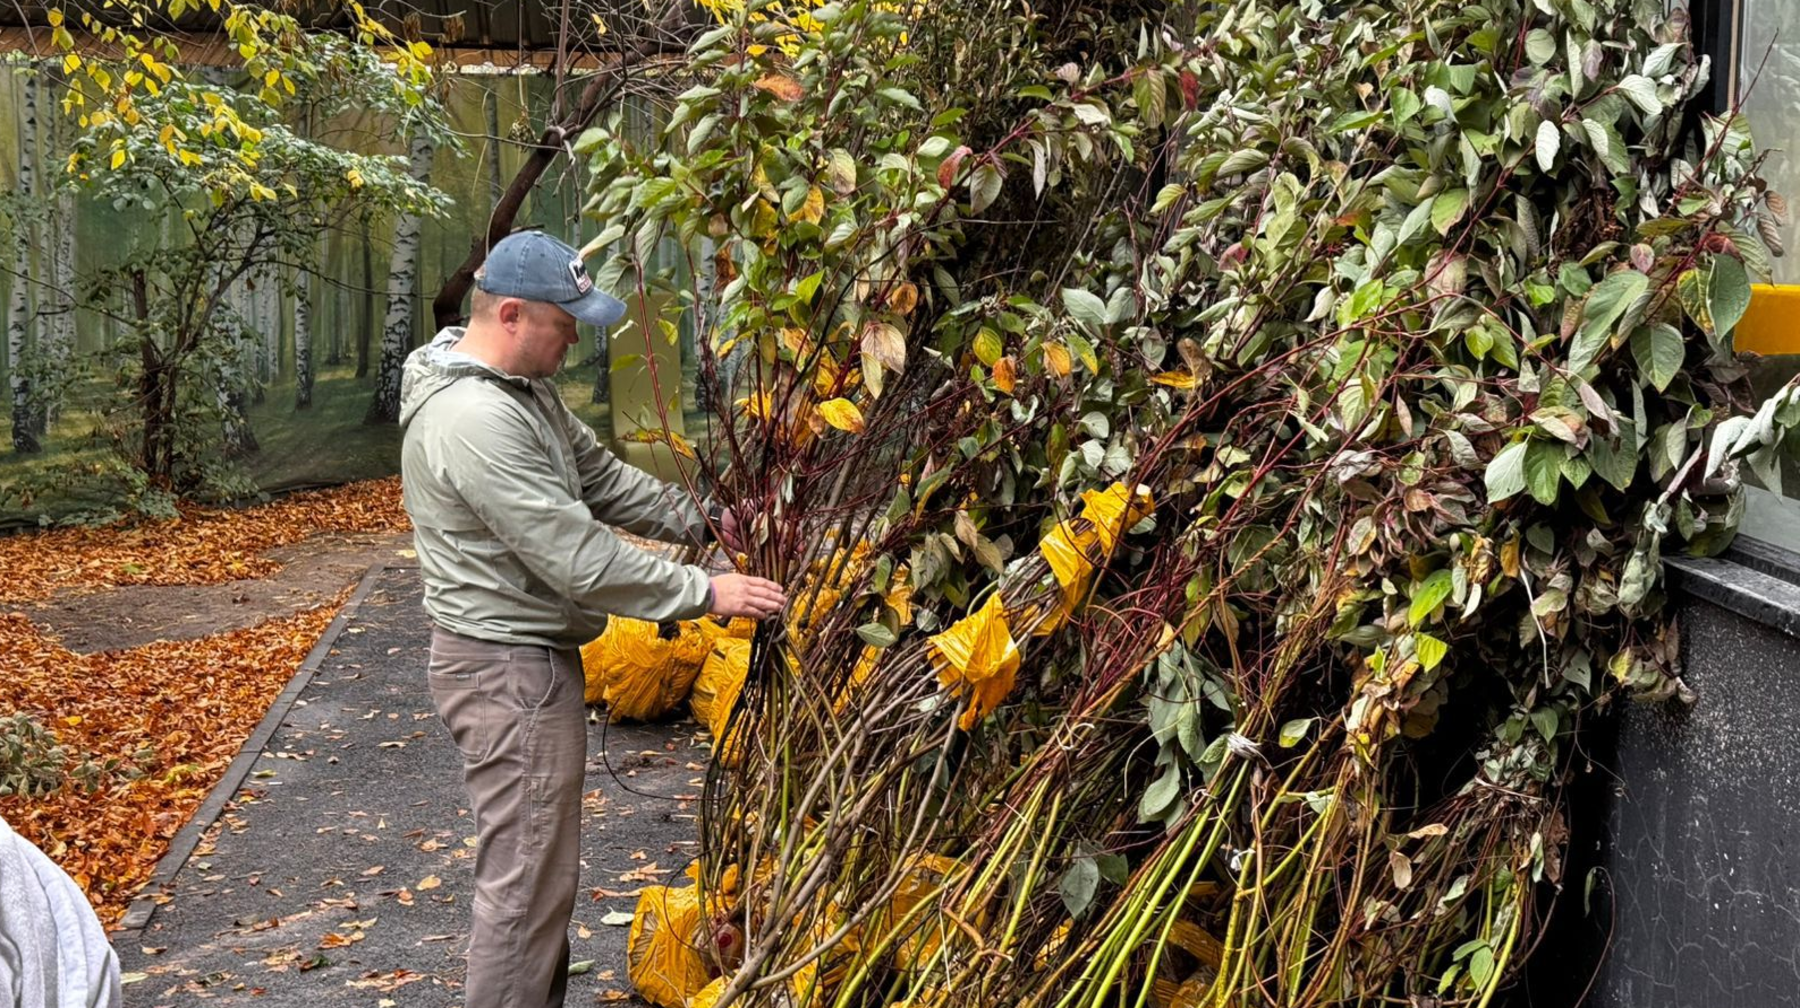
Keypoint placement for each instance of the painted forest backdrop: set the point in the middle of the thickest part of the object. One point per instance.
(307, 396)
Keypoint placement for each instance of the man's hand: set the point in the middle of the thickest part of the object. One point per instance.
(734, 524)
(742, 595)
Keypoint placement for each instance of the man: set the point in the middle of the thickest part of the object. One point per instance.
(508, 492)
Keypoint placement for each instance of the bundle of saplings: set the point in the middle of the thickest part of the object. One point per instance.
(1221, 456)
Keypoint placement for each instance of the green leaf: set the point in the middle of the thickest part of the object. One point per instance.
(1430, 594)
(934, 147)
(1078, 884)
(1481, 966)
(1545, 719)
(1405, 103)
(1085, 307)
(1549, 141)
(1430, 651)
(1659, 352)
(1093, 113)
(807, 287)
(1506, 472)
(840, 171)
(1166, 197)
(1605, 303)
(1415, 220)
(1616, 463)
(1540, 46)
(1691, 290)
(1447, 208)
(1160, 795)
(984, 186)
(1244, 161)
(1543, 470)
(1642, 92)
(1152, 96)
(900, 96)
(1728, 293)
(988, 347)
(876, 635)
(1113, 868)
(1294, 732)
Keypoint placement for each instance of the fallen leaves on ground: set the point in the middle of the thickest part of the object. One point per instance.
(203, 546)
(180, 710)
(175, 713)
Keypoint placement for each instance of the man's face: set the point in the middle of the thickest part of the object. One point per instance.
(543, 334)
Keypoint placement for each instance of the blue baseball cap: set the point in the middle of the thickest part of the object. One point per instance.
(537, 267)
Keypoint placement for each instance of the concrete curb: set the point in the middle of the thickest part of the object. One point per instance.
(137, 916)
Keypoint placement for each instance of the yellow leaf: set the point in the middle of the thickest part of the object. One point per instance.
(904, 298)
(72, 721)
(814, 207)
(1005, 375)
(429, 882)
(1175, 379)
(1056, 358)
(71, 63)
(842, 414)
(978, 660)
(118, 157)
(56, 18)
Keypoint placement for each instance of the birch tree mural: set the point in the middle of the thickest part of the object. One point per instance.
(25, 437)
(59, 327)
(303, 298)
(237, 362)
(403, 282)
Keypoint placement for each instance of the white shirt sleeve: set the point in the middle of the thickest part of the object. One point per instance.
(67, 964)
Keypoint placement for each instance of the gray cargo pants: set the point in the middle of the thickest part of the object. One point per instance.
(517, 715)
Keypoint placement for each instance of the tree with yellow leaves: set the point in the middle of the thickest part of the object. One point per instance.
(216, 153)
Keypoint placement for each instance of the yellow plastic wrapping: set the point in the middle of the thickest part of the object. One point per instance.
(663, 946)
(1114, 510)
(709, 995)
(925, 876)
(977, 659)
(827, 576)
(642, 670)
(720, 681)
(1197, 942)
(1074, 548)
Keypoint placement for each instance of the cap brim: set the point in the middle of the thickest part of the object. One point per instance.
(595, 308)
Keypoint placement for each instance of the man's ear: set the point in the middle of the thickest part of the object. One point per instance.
(509, 310)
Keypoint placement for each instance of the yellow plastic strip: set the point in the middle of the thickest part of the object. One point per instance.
(1772, 325)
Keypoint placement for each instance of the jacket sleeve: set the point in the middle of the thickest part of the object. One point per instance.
(624, 495)
(500, 467)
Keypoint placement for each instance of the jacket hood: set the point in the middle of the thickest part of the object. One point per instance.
(436, 366)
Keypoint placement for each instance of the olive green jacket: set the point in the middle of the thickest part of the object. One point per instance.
(511, 497)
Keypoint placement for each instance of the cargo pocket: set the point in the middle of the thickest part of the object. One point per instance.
(456, 690)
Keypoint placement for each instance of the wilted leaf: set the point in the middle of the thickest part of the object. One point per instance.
(783, 87)
(886, 345)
